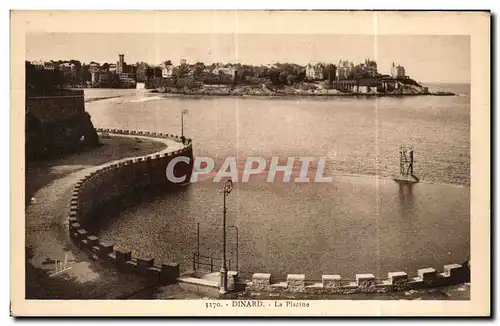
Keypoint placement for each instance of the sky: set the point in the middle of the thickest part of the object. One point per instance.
(426, 58)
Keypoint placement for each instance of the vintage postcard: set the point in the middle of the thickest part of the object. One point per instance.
(250, 163)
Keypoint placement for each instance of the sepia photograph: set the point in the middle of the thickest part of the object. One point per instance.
(238, 172)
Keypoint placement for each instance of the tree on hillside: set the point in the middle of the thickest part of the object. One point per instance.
(181, 71)
(141, 72)
(43, 80)
(198, 69)
(85, 73)
(77, 63)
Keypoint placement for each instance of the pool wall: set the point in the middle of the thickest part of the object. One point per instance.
(364, 283)
(116, 179)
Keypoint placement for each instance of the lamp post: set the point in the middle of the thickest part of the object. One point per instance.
(183, 112)
(237, 245)
(228, 186)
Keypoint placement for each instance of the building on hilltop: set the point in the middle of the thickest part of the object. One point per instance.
(50, 65)
(126, 73)
(67, 66)
(120, 64)
(398, 71)
(94, 67)
(370, 67)
(69, 71)
(366, 69)
(315, 71)
(330, 72)
(344, 69)
(39, 64)
(123, 67)
(167, 69)
(227, 70)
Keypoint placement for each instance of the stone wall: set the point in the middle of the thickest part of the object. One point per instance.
(56, 105)
(56, 122)
(113, 180)
(364, 283)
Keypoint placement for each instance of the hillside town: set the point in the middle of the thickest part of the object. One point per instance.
(319, 78)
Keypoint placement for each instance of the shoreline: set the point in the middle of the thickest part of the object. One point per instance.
(283, 95)
(100, 98)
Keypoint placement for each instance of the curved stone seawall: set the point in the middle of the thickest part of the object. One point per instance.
(117, 179)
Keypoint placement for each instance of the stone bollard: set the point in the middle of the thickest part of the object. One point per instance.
(82, 234)
(427, 275)
(331, 281)
(261, 282)
(73, 227)
(92, 240)
(296, 282)
(122, 257)
(73, 208)
(366, 283)
(104, 249)
(399, 280)
(454, 271)
(73, 217)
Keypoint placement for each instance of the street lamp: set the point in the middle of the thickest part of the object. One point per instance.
(183, 112)
(228, 186)
(237, 245)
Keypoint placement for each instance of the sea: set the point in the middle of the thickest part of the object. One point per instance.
(361, 222)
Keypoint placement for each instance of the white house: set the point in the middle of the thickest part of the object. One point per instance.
(167, 70)
(398, 71)
(314, 72)
(38, 64)
(229, 71)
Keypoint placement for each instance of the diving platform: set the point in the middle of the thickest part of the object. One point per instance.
(406, 179)
(406, 166)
